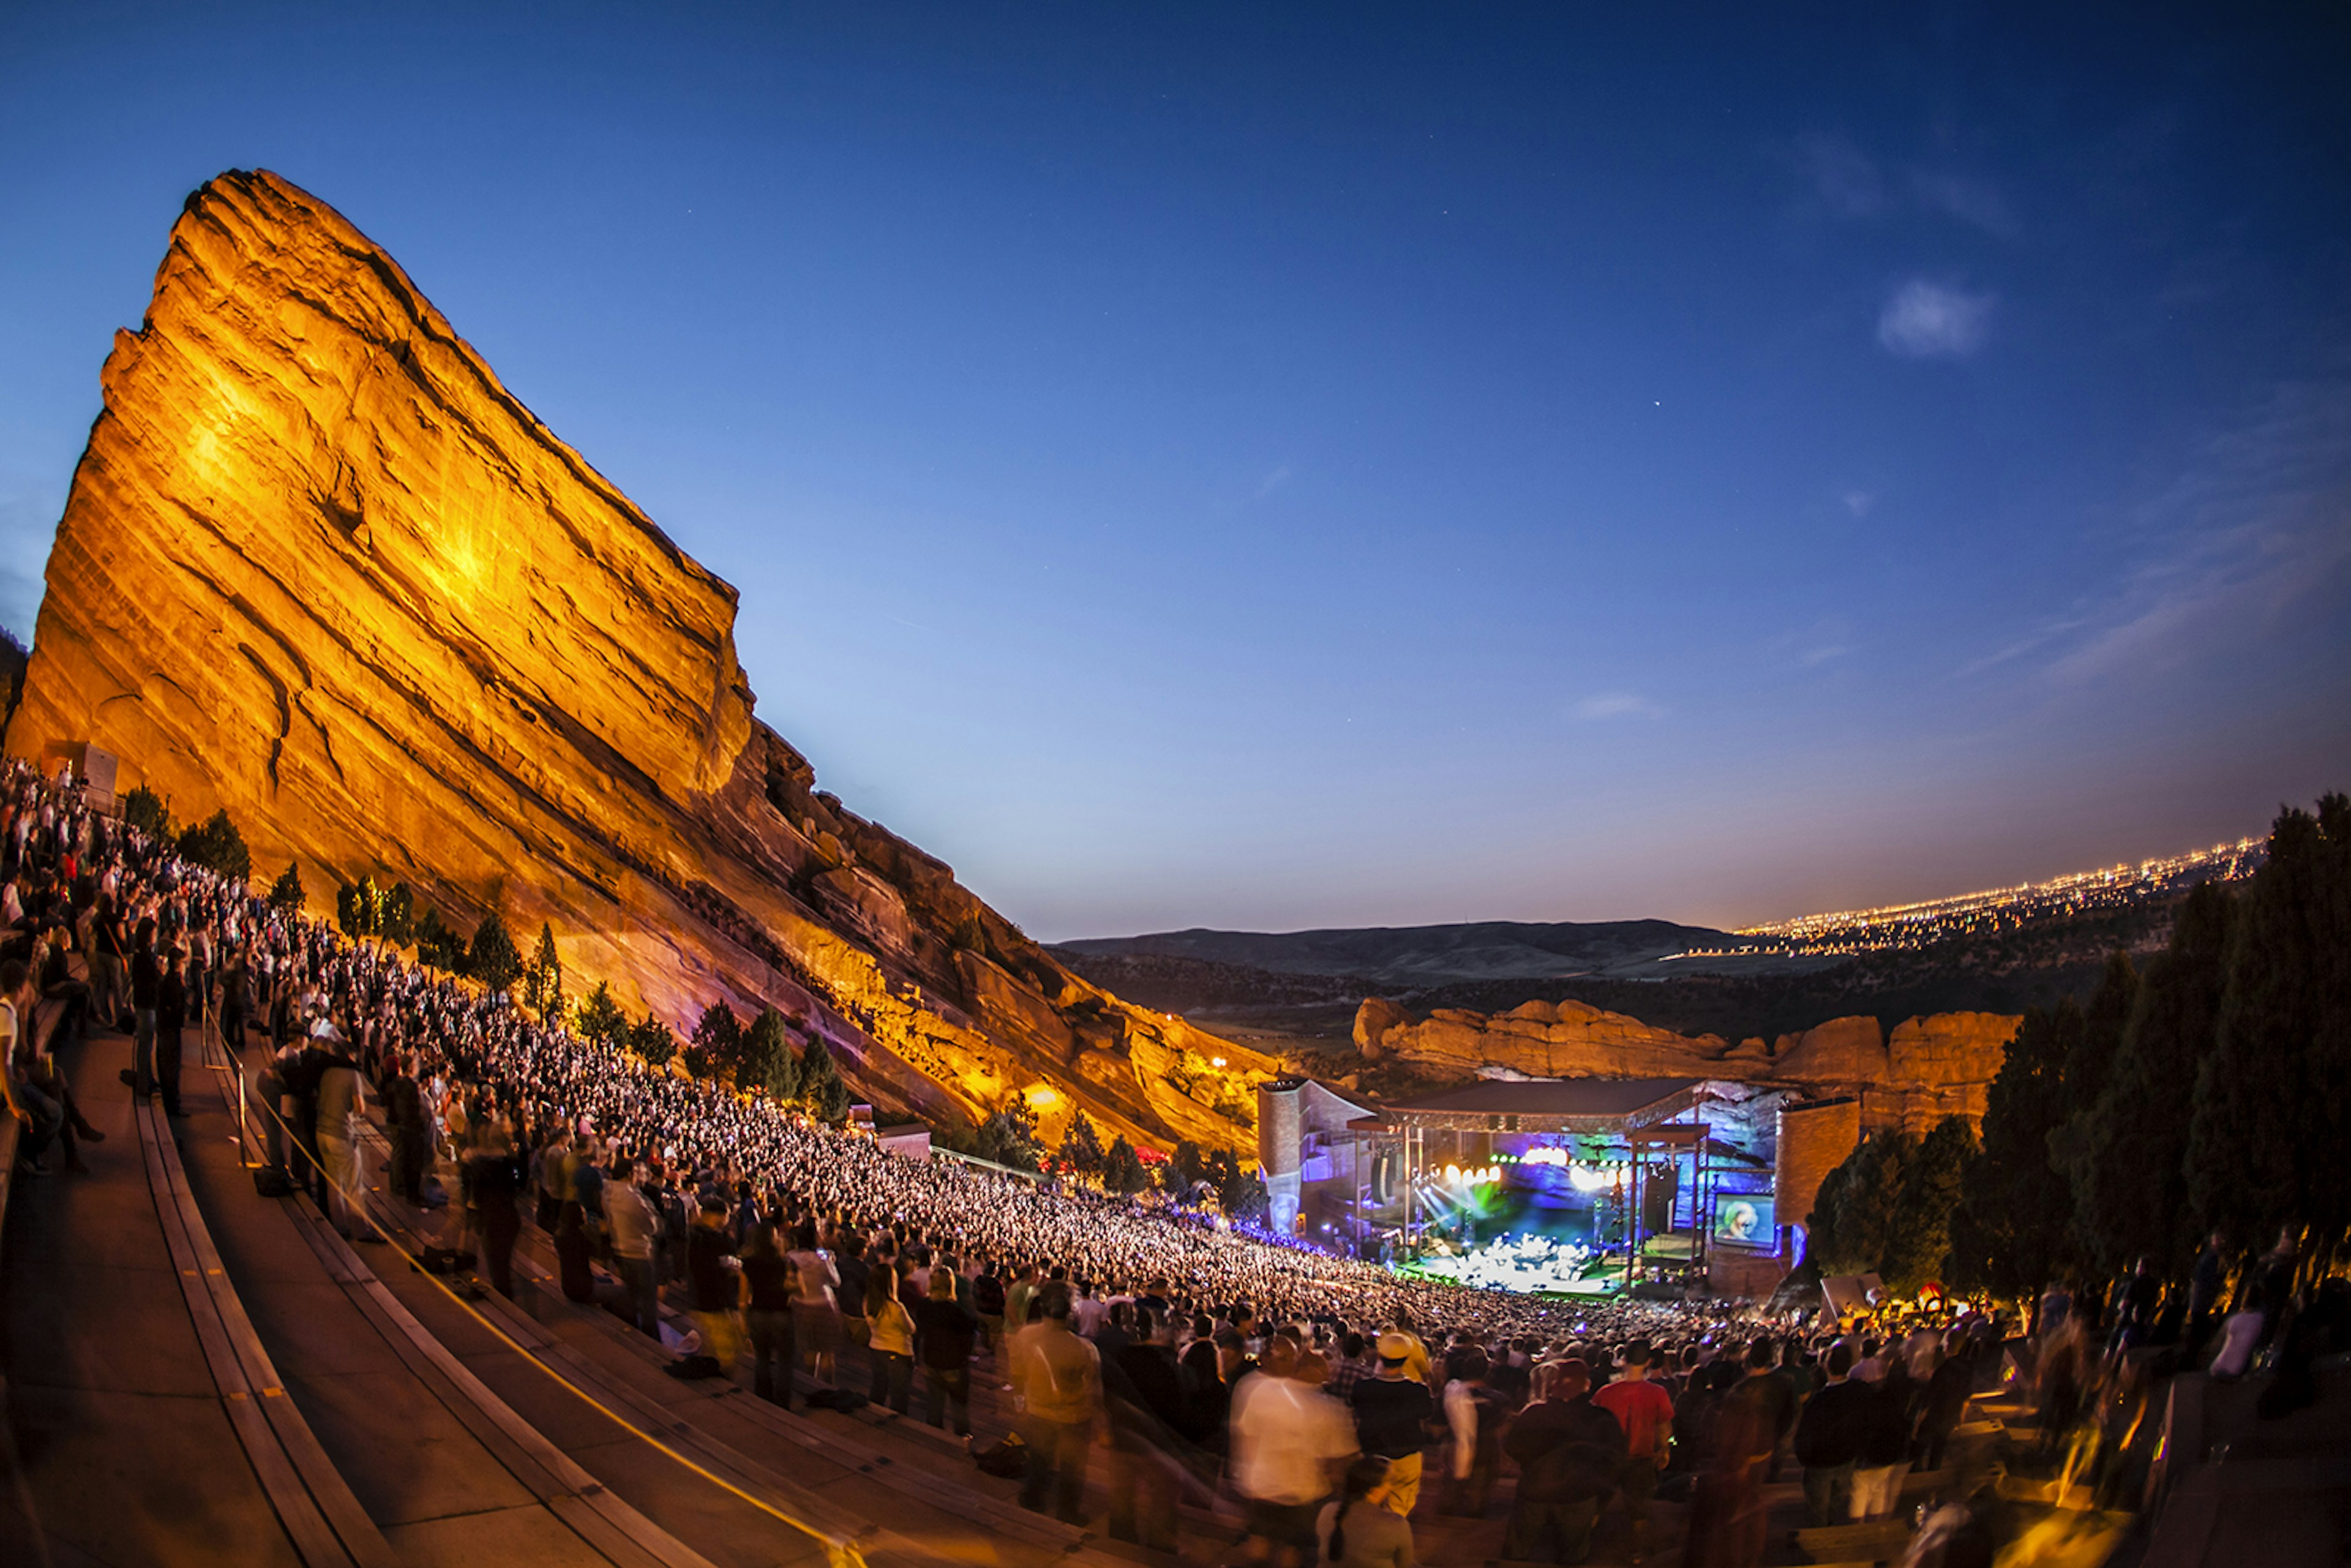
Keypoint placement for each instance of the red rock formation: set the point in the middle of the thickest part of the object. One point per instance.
(1931, 1068)
(320, 567)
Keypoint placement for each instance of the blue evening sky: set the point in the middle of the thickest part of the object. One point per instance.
(1270, 466)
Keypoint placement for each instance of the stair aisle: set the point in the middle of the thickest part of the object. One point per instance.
(120, 1446)
(803, 1479)
(441, 1476)
(838, 1480)
(881, 1456)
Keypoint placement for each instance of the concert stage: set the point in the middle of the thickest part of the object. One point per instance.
(1537, 1266)
(1558, 1187)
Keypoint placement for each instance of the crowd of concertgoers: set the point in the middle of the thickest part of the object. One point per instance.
(1324, 1395)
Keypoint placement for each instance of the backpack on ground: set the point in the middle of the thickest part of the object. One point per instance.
(1007, 1457)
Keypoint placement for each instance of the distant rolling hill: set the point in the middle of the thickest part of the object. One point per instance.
(1419, 956)
(1302, 986)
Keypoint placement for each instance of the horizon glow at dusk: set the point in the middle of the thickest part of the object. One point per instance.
(1349, 468)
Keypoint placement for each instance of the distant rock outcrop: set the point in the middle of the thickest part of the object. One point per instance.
(1929, 1067)
(320, 567)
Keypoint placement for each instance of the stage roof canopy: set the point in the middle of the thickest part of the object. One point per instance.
(1572, 1106)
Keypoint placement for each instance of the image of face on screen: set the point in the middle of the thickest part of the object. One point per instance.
(1744, 1221)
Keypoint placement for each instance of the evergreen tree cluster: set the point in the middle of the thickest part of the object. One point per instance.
(217, 845)
(2211, 1091)
(1010, 1138)
(214, 843)
(149, 813)
(768, 1057)
(365, 912)
(1887, 1209)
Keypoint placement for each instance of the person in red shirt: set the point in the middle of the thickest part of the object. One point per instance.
(1646, 1413)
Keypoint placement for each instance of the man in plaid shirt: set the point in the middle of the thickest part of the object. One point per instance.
(1349, 1369)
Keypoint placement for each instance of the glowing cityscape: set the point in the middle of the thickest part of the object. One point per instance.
(1998, 909)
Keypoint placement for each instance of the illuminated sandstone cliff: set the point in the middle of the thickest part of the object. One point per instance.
(1928, 1068)
(318, 566)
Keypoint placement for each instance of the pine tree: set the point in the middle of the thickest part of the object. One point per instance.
(651, 1039)
(1853, 1219)
(767, 1063)
(357, 909)
(494, 961)
(286, 894)
(2103, 1023)
(1918, 1240)
(2130, 1178)
(1082, 1147)
(2013, 1230)
(217, 845)
(439, 947)
(600, 1018)
(1123, 1171)
(830, 1101)
(395, 920)
(542, 984)
(1184, 1169)
(2267, 1140)
(717, 1042)
(1010, 1138)
(149, 813)
(820, 1087)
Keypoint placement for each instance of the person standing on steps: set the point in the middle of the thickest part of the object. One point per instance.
(171, 1020)
(946, 1328)
(108, 954)
(1642, 1409)
(1288, 1439)
(1058, 1379)
(892, 1330)
(1144, 1399)
(1828, 1438)
(768, 1283)
(630, 1224)
(714, 1278)
(1360, 1530)
(236, 999)
(1570, 1454)
(988, 1299)
(849, 1262)
(42, 1117)
(342, 1103)
(146, 980)
(1393, 1412)
(496, 1181)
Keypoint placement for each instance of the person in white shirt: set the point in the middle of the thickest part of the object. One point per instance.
(1289, 1441)
(1087, 1311)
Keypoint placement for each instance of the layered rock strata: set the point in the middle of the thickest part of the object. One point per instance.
(320, 567)
(1928, 1068)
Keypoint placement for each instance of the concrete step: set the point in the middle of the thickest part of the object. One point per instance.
(120, 1441)
(447, 1468)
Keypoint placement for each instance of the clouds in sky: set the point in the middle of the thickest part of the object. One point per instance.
(1926, 320)
(1843, 177)
(1613, 704)
(2251, 532)
(1976, 202)
(1849, 183)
